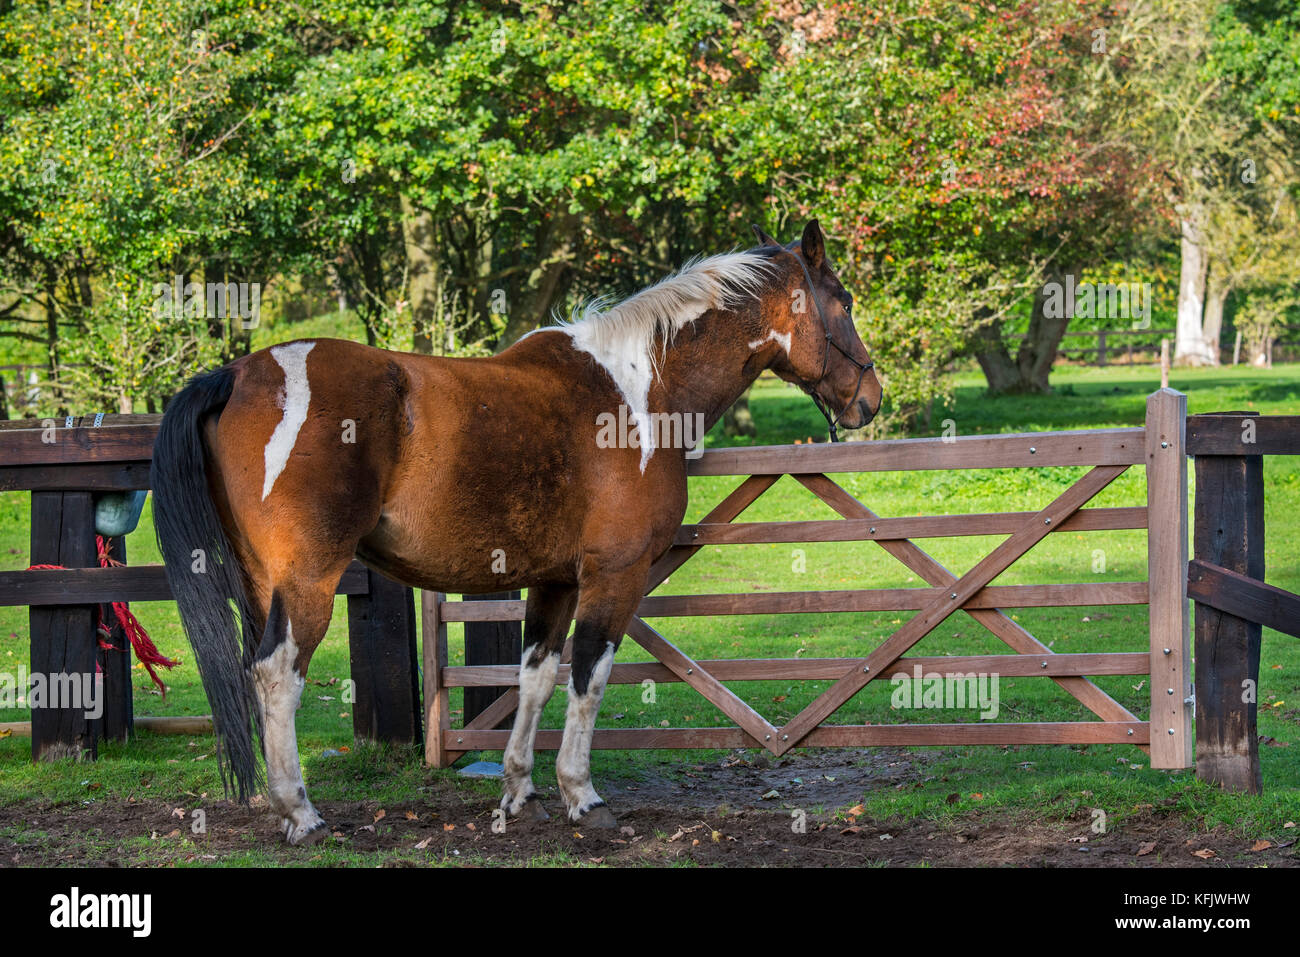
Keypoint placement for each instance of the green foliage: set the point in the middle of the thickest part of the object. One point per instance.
(540, 151)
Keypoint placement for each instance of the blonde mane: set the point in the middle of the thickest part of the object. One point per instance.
(629, 339)
(659, 311)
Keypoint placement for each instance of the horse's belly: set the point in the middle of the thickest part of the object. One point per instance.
(445, 553)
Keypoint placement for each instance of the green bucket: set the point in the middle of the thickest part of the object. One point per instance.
(118, 513)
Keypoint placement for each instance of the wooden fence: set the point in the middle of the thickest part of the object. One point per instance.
(65, 468)
(64, 463)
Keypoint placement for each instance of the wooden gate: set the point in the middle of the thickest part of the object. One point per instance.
(1159, 447)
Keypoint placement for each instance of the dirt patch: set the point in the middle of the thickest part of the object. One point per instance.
(743, 812)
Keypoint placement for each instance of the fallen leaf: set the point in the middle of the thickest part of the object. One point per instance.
(1146, 848)
(449, 827)
(380, 815)
(412, 816)
(471, 826)
(852, 829)
(857, 810)
(1261, 845)
(423, 844)
(1204, 853)
(717, 836)
(179, 812)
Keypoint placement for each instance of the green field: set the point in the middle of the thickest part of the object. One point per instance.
(1049, 781)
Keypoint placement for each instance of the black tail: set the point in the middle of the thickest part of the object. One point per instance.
(205, 576)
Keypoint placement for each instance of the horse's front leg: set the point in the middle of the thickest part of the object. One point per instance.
(604, 609)
(546, 622)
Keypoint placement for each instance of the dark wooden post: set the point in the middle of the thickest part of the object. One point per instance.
(1101, 347)
(1229, 532)
(385, 673)
(491, 643)
(118, 719)
(63, 645)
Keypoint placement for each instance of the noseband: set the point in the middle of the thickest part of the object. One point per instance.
(831, 421)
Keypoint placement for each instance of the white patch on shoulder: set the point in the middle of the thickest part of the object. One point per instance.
(628, 339)
(781, 338)
(628, 361)
(297, 395)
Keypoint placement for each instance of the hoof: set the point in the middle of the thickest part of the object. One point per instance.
(599, 816)
(533, 810)
(298, 837)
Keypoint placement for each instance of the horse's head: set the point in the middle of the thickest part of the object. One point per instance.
(820, 348)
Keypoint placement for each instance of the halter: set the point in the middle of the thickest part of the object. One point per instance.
(863, 368)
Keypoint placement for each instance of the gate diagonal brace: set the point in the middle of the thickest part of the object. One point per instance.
(713, 690)
(938, 610)
(1009, 632)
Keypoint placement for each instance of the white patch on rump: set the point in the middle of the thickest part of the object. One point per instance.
(297, 395)
(780, 338)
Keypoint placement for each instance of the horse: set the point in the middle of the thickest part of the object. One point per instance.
(471, 475)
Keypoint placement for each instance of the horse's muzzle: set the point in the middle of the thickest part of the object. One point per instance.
(859, 414)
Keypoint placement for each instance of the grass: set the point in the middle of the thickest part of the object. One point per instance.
(1054, 781)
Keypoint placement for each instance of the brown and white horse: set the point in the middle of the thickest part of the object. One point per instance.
(469, 476)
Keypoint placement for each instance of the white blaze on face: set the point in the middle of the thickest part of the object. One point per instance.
(780, 338)
(297, 395)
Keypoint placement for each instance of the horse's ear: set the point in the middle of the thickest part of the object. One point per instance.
(813, 244)
(763, 238)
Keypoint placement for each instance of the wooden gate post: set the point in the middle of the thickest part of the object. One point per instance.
(118, 720)
(1172, 744)
(382, 648)
(63, 646)
(1229, 533)
(491, 643)
(437, 702)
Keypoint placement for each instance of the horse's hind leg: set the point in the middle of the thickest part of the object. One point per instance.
(295, 624)
(546, 622)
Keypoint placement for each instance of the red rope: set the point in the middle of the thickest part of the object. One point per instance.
(145, 650)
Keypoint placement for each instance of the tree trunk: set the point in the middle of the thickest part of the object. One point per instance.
(1189, 344)
(738, 420)
(422, 274)
(1212, 330)
(1000, 370)
(558, 250)
(1031, 368)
